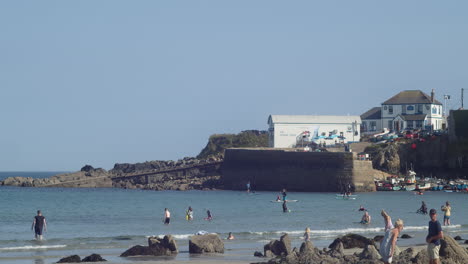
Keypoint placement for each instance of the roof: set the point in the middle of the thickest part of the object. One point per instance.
(421, 117)
(373, 113)
(411, 97)
(313, 119)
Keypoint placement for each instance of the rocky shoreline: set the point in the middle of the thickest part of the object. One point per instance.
(281, 252)
(185, 174)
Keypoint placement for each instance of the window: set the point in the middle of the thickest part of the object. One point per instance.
(419, 123)
(434, 110)
(410, 108)
(390, 124)
(420, 109)
(390, 109)
(403, 109)
(385, 107)
(373, 125)
(409, 124)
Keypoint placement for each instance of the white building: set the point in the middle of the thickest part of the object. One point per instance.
(411, 109)
(287, 131)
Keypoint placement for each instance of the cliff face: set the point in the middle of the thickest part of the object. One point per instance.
(433, 157)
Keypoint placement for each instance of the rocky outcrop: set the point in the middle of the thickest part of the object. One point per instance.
(209, 243)
(278, 247)
(450, 253)
(93, 258)
(137, 250)
(70, 259)
(184, 174)
(165, 246)
(162, 247)
(352, 241)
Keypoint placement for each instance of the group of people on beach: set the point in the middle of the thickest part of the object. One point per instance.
(388, 243)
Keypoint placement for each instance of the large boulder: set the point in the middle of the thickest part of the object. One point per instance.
(352, 241)
(137, 250)
(370, 253)
(278, 248)
(337, 251)
(451, 250)
(93, 258)
(70, 259)
(162, 246)
(210, 243)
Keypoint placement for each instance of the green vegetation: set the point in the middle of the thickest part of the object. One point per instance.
(246, 139)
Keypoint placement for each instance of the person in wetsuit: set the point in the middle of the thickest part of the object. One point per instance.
(285, 207)
(39, 224)
(423, 208)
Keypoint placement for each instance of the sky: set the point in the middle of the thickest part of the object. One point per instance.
(105, 82)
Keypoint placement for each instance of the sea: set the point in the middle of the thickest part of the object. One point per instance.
(109, 221)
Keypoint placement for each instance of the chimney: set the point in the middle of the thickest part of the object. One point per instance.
(432, 96)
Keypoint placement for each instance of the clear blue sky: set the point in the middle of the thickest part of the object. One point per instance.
(104, 82)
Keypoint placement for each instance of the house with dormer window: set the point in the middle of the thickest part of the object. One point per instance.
(411, 109)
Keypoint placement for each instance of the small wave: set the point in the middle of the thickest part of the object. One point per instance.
(176, 236)
(32, 247)
(345, 230)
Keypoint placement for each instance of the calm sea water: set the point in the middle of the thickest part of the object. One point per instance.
(109, 221)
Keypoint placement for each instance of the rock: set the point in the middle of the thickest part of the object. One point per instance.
(70, 259)
(466, 241)
(285, 243)
(258, 254)
(406, 236)
(87, 168)
(370, 253)
(161, 247)
(450, 249)
(306, 248)
(278, 248)
(93, 258)
(421, 258)
(137, 251)
(337, 250)
(404, 257)
(457, 238)
(352, 241)
(378, 238)
(210, 243)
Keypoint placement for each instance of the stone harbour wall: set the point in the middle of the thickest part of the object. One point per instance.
(273, 170)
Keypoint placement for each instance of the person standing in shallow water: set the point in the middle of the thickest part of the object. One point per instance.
(167, 216)
(285, 207)
(39, 224)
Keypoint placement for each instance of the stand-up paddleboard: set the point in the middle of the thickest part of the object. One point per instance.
(341, 195)
(345, 198)
(280, 201)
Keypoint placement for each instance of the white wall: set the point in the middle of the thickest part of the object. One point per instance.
(285, 135)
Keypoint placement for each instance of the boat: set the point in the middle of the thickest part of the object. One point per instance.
(280, 201)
